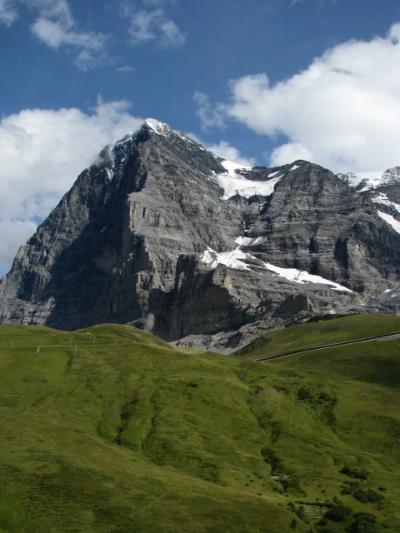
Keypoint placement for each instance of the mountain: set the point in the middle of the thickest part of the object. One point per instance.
(384, 190)
(162, 234)
(109, 429)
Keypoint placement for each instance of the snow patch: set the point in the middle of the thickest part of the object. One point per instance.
(372, 179)
(258, 240)
(233, 259)
(236, 259)
(159, 127)
(301, 277)
(390, 220)
(294, 167)
(274, 173)
(110, 173)
(249, 241)
(383, 199)
(234, 183)
(244, 241)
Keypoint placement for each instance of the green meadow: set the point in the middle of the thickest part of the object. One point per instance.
(110, 429)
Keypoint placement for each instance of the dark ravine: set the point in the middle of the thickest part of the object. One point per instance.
(144, 235)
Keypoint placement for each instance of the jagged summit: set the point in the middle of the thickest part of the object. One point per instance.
(163, 129)
(366, 181)
(163, 234)
(152, 125)
(159, 127)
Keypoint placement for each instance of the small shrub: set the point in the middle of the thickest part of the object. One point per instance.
(301, 512)
(327, 397)
(363, 523)
(304, 394)
(361, 496)
(349, 488)
(291, 506)
(368, 496)
(338, 513)
(271, 458)
(354, 473)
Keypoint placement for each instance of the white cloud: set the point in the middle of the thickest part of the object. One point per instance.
(171, 34)
(229, 152)
(43, 151)
(320, 3)
(343, 111)
(225, 150)
(211, 116)
(8, 13)
(125, 69)
(286, 153)
(13, 233)
(151, 23)
(56, 27)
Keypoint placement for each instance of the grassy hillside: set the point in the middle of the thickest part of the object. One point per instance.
(314, 334)
(111, 430)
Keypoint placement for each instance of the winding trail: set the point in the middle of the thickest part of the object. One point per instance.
(380, 338)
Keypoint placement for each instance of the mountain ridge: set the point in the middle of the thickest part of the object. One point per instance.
(147, 235)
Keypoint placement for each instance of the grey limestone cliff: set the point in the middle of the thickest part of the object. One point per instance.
(156, 235)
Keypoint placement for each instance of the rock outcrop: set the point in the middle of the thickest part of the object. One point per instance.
(162, 234)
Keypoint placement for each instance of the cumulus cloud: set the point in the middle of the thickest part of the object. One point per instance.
(56, 27)
(13, 233)
(225, 150)
(151, 23)
(43, 151)
(343, 111)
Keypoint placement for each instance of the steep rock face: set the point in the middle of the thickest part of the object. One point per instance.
(384, 190)
(315, 222)
(162, 234)
(115, 237)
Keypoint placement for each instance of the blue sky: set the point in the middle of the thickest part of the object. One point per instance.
(97, 67)
(225, 39)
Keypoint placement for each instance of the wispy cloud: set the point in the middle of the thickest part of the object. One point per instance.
(320, 3)
(225, 150)
(125, 68)
(56, 27)
(8, 13)
(149, 22)
(210, 115)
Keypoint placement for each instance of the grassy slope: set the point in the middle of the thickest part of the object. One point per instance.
(319, 333)
(111, 430)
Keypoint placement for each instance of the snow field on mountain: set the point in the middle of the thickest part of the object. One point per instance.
(390, 220)
(236, 259)
(234, 183)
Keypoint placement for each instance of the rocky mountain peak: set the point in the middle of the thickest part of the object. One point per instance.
(391, 175)
(163, 130)
(158, 127)
(367, 181)
(163, 234)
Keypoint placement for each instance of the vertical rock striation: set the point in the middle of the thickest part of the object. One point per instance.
(163, 234)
